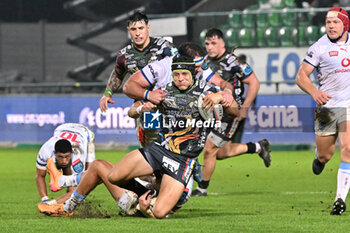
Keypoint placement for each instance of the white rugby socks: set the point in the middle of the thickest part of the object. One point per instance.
(343, 183)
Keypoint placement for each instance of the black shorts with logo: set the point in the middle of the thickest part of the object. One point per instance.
(166, 162)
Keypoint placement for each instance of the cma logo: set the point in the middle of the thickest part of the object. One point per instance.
(275, 117)
(113, 118)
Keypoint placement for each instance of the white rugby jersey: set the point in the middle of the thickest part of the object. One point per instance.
(158, 73)
(82, 140)
(333, 62)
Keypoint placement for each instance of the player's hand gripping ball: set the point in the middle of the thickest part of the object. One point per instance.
(212, 113)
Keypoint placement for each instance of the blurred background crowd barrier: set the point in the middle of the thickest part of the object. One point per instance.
(55, 71)
(77, 57)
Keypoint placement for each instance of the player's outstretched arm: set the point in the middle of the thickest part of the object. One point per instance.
(41, 184)
(112, 86)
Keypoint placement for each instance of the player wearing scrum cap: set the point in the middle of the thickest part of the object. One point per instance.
(330, 56)
(174, 153)
(145, 85)
(171, 158)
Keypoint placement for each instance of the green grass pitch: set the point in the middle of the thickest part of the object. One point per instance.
(244, 196)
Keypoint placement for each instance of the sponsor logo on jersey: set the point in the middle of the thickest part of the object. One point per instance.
(247, 70)
(344, 49)
(78, 166)
(151, 120)
(342, 71)
(142, 62)
(154, 74)
(128, 56)
(333, 53)
(345, 62)
(131, 66)
(189, 168)
(174, 51)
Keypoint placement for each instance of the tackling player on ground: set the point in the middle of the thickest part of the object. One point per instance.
(187, 142)
(174, 154)
(71, 149)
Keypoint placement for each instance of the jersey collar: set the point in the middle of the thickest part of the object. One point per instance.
(334, 42)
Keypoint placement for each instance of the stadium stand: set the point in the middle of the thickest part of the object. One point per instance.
(231, 37)
(267, 25)
(288, 36)
(271, 35)
(246, 37)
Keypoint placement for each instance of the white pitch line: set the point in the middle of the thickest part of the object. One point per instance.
(292, 193)
(216, 194)
(283, 193)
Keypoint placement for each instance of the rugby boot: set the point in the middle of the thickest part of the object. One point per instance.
(55, 174)
(339, 207)
(199, 193)
(317, 166)
(128, 202)
(265, 152)
(197, 172)
(54, 210)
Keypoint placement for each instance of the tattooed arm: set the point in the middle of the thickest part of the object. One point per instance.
(114, 81)
(112, 85)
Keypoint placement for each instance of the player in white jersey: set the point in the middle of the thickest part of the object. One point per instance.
(330, 55)
(71, 149)
(158, 74)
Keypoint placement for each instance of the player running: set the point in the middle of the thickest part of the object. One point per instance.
(330, 56)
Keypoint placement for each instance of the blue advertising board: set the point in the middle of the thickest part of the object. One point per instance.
(279, 118)
(33, 119)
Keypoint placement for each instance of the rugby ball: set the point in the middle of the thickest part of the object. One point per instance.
(211, 113)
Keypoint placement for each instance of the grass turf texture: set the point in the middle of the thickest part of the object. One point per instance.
(244, 196)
